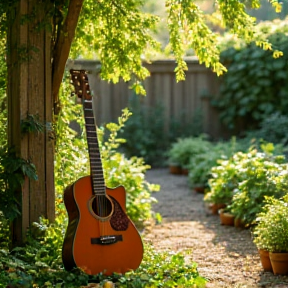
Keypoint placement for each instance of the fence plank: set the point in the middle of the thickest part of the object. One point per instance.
(185, 97)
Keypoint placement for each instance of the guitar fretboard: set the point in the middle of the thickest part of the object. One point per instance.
(94, 151)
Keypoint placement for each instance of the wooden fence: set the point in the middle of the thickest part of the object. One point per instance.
(189, 98)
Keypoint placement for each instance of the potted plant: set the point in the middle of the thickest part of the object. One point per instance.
(226, 217)
(261, 175)
(182, 150)
(223, 183)
(271, 232)
(201, 164)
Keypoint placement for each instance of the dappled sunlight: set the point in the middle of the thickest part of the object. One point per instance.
(225, 255)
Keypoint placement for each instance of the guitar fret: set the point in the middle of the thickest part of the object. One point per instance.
(99, 185)
(99, 188)
(82, 88)
(97, 176)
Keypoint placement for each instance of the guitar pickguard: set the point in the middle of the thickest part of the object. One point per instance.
(119, 220)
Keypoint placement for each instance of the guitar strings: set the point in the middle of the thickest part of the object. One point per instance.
(99, 208)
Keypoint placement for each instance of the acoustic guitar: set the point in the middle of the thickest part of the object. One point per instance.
(100, 238)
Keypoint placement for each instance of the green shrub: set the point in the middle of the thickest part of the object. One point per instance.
(243, 181)
(271, 231)
(184, 149)
(200, 165)
(261, 175)
(224, 180)
(256, 84)
(272, 129)
(39, 264)
(130, 173)
(71, 153)
(13, 171)
(149, 135)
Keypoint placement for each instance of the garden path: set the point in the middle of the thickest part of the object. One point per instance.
(225, 255)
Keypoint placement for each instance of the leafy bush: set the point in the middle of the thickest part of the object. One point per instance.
(272, 129)
(256, 84)
(184, 149)
(39, 264)
(71, 154)
(261, 175)
(243, 181)
(271, 231)
(200, 165)
(13, 171)
(149, 135)
(130, 173)
(224, 180)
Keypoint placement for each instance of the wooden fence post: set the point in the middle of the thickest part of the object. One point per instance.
(30, 93)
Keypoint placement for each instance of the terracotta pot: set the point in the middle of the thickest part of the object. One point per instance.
(216, 207)
(265, 260)
(238, 223)
(199, 189)
(226, 218)
(279, 263)
(173, 169)
(185, 171)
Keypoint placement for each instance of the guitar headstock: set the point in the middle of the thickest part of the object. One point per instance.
(79, 79)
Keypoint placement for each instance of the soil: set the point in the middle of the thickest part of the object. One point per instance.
(226, 255)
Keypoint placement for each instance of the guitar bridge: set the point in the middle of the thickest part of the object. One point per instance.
(107, 240)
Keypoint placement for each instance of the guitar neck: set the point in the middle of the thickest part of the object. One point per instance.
(94, 150)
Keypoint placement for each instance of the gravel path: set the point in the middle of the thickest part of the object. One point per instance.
(225, 255)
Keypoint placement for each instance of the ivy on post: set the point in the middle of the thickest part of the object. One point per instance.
(29, 92)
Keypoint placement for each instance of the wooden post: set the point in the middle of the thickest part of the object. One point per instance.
(30, 92)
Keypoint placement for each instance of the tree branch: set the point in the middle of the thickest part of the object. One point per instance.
(62, 48)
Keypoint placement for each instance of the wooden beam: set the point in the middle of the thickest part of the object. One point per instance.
(30, 93)
(62, 47)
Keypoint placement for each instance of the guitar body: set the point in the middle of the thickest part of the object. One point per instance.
(99, 244)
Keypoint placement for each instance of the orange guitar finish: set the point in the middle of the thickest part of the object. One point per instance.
(78, 251)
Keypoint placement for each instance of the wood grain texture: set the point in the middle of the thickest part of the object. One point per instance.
(29, 93)
(78, 251)
(63, 45)
(185, 97)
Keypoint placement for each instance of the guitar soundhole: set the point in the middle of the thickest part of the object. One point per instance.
(102, 206)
